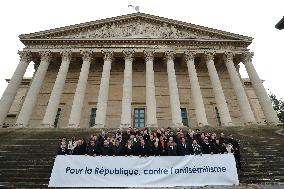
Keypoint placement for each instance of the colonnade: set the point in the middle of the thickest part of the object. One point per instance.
(102, 101)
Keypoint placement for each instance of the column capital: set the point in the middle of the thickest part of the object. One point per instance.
(86, 55)
(209, 55)
(128, 54)
(66, 55)
(25, 56)
(169, 55)
(228, 56)
(108, 55)
(45, 55)
(189, 55)
(247, 57)
(149, 55)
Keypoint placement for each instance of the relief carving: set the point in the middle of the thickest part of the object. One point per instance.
(137, 29)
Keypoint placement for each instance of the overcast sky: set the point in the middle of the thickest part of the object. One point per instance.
(254, 18)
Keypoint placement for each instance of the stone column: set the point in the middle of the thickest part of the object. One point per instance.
(150, 90)
(218, 91)
(103, 93)
(54, 100)
(32, 95)
(245, 108)
(173, 90)
(127, 89)
(13, 86)
(75, 115)
(266, 105)
(195, 90)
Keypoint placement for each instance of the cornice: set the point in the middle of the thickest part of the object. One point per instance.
(129, 41)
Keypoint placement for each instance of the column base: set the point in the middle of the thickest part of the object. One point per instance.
(177, 125)
(46, 125)
(99, 125)
(230, 124)
(125, 125)
(73, 125)
(274, 123)
(20, 125)
(202, 125)
(152, 125)
(252, 123)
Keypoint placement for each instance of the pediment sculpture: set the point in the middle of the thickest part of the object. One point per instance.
(136, 30)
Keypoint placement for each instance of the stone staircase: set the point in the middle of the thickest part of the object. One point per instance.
(27, 155)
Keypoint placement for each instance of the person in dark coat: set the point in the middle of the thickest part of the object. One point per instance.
(162, 146)
(129, 149)
(155, 149)
(171, 147)
(222, 140)
(62, 149)
(80, 149)
(237, 153)
(183, 147)
(106, 150)
(197, 136)
(117, 148)
(146, 136)
(126, 135)
(92, 149)
(143, 149)
(190, 138)
(216, 148)
(151, 144)
(195, 148)
(101, 138)
(206, 146)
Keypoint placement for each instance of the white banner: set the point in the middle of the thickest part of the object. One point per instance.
(166, 171)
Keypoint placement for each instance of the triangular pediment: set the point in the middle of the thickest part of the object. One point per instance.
(134, 29)
(135, 26)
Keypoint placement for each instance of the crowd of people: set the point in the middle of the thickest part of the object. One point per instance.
(146, 142)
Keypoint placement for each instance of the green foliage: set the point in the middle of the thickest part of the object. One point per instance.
(278, 105)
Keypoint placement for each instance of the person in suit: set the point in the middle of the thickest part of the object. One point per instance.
(80, 149)
(72, 144)
(62, 149)
(236, 150)
(143, 149)
(183, 147)
(117, 148)
(195, 148)
(118, 134)
(101, 138)
(92, 149)
(146, 135)
(129, 149)
(126, 135)
(216, 148)
(171, 147)
(222, 139)
(151, 145)
(106, 150)
(206, 146)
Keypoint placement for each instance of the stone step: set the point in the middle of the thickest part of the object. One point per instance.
(27, 166)
(23, 185)
(24, 178)
(27, 156)
(23, 174)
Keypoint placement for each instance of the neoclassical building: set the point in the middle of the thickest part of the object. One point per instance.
(135, 70)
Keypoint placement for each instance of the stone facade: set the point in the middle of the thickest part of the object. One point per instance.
(136, 61)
